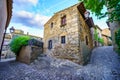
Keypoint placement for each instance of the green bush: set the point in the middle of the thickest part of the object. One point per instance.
(96, 35)
(17, 42)
(100, 40)
(117, 40)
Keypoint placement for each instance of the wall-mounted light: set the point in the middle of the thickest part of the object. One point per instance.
(87, 14)
(12, 29)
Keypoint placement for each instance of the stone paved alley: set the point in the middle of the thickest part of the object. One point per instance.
(104, 65)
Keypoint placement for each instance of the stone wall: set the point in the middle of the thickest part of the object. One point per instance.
(84, 31)
(7, 52)
(29, 53)
(3, 18)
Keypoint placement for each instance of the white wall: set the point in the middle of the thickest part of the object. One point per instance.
(3, 18)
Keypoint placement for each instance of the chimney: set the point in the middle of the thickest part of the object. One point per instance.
(27, 33)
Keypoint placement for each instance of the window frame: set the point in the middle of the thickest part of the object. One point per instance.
(63, 39)
(63, 20)
(51, 25)
(50, 44)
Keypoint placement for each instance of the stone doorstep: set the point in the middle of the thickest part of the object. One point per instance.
(64, 57)
(75, 60)
(9, 59)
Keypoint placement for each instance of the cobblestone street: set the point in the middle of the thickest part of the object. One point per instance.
(104, 65)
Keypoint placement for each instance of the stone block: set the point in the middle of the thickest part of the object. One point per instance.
(29, 53)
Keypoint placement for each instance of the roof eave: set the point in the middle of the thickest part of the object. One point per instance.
(9, 11)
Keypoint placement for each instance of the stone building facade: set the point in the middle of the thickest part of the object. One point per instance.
(106, 34)
(5, 16)
(69, 26)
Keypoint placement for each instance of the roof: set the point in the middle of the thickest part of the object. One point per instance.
(106, 31)
(9, 11)
(98, 27)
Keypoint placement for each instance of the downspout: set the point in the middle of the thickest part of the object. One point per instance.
(2, 43)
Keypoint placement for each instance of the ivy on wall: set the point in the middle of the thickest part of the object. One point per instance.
(95, 34)
(101, 40)
(97, 38)
(117, 40)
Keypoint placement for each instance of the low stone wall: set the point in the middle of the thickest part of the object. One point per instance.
(29, 53)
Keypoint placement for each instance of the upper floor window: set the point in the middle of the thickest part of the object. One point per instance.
(63, 20)
(63, 39)
(51, 25)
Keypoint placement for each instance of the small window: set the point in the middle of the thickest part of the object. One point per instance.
(51, 25)
(50, 44)
(63, 20)
(63, 39)
(86, 38)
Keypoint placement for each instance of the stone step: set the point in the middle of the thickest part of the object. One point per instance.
(36, 61)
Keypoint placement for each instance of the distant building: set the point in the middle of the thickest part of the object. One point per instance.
(106, 34)
(70, 26)
(21, 32)
(6, 52)
(5, 16)
(96, 30)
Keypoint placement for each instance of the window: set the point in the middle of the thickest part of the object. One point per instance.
(63, 39)
(86, 38)
(63, 21)
(51, 25)
(50, 44)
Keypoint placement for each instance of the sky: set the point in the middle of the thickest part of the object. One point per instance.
(31, 15)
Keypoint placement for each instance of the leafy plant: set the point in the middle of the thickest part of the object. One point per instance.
(100, 40)
(98, 6)
(117, 40)
(17, 42)
(96, 34)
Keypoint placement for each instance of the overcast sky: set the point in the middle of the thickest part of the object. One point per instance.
(31, 15)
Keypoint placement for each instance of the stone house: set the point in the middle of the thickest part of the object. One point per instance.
(5, 16)
(106, 34)
(69, 26)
